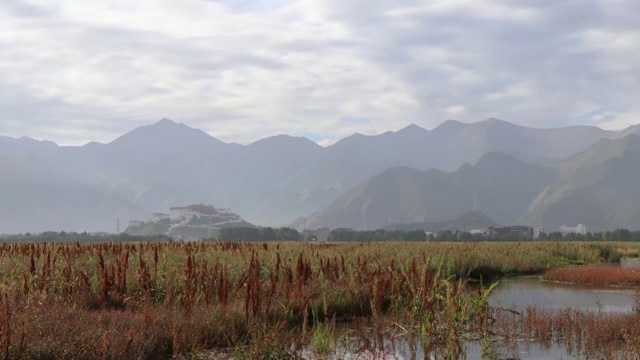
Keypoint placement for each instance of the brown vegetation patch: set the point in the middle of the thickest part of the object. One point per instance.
(590, 334)
(596, 276)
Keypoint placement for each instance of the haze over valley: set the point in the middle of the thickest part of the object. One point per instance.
(512, 173)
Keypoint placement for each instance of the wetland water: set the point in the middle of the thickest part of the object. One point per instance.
(519, 292)
(516, 293)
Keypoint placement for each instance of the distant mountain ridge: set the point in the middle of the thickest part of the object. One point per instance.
(271, 181)
(502, 186)
(597, 188)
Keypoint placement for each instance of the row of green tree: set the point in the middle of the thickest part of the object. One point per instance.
(337, 235)
(463, 236)
(346, 235)
(72, 237)
(619, 234)
(258, 234)
(250, 234)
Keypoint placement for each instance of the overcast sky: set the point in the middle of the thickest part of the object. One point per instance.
(73, 71)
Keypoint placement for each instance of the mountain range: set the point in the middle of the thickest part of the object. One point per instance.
(516, 173)
(597, 187)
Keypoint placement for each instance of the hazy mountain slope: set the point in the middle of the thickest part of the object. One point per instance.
(628, 131)
(598, 188)
(275, 180)
(275, 158)
(35, 197)
(354, 159)
(157, 166)
(502, 185)
(163, 136)
(459, 141)
(24, 146)
(470, 220)
(264, 169)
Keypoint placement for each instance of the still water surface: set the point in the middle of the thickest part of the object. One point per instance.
(518, 293)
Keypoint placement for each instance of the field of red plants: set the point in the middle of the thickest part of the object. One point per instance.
(256, 301)
(602, 276)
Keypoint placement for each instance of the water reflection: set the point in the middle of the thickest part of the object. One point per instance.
(410, 348)
(630, 262)
(516, 293)
(520, 292)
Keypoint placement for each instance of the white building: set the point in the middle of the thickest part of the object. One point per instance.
(179, 213)
(157, 217)
(580, 229)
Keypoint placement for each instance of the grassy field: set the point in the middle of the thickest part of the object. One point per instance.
(256, 301)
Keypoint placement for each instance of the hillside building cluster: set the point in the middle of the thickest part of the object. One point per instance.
(191, 222)
(187, 213)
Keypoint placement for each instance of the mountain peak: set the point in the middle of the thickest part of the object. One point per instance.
(165, 122)
(412, 128)
(476, 216)
(452, 122)
(284, 141)
(449, 126)
(412, 131)
(165, 132)
(495, 122)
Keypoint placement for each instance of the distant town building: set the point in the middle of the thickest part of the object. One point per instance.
(536, 233)
(580, 229)
(510, 230)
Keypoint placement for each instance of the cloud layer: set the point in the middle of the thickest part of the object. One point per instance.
(83, 70)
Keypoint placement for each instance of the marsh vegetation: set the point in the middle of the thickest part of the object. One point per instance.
(286, 300)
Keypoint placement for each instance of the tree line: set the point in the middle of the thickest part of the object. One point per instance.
(252, 234)
(343, 235)
(80, 237)
(258, 234)
(620, 234)
(346, 235)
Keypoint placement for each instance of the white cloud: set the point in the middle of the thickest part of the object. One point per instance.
(615, 120)
(457, 111)
(79, 70)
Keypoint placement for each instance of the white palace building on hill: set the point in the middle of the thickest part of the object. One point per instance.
(580, 229)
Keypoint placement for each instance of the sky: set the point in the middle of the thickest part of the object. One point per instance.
(75, 71)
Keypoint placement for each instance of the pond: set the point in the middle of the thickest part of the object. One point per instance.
(516, 293)
(631, 262)
(519, 292)
(403, 349)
